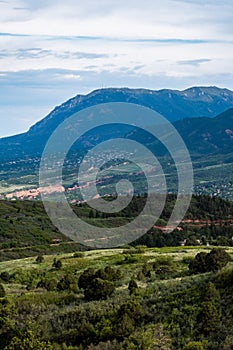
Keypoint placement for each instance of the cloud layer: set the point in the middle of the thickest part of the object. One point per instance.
(51, 50)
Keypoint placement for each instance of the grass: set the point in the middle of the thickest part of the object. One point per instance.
(100, 259)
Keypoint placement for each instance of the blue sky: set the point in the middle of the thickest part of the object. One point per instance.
(52, 50)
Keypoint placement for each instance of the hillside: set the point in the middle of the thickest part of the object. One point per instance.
(118, 299)
(208, 136)
(172, 104)
(209, 141)
(26, 230)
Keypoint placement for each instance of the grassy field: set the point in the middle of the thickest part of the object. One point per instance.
(100, 259)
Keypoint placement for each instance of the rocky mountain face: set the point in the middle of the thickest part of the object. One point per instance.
(172, 104)
(201, 134)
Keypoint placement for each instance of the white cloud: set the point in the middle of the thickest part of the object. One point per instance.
(76, 46)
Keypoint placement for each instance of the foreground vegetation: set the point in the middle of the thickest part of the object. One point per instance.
(135, 298)
(164, 291)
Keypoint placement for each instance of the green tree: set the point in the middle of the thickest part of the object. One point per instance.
(198, 264)
(217, 259)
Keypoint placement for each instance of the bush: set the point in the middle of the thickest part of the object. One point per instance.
(108, 274)
(99, 289)
(224, 278)
(198, 264)
(2, 291)
(49, 284)
(217, 259)
(57, 264)
(98, 284)
(5, 276)
(39, 259)
(213, 261)
(133, 287)
(86, 277)
(78, 255)
(68, 282)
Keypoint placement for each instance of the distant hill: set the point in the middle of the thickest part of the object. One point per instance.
(208, 136)
(172, 104)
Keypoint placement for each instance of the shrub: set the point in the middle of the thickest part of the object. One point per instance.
(57, 264)
(5, 276)
(86, 277)
(213, 261)
(217, 259)
(48, 283)
(98, 284)
(198, 264)
(224, 278)
(99, 289)
(39, 259)
(2, 291)
(133, 287)
(78, 255)
(68, 282)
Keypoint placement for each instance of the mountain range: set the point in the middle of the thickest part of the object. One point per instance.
(174, 105)
(202, 115)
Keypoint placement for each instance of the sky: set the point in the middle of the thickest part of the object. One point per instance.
(53, 50)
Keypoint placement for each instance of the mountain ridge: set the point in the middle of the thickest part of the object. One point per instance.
(188, 103)
(210, 100)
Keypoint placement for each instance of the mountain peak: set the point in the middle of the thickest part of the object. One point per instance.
(172, 104)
